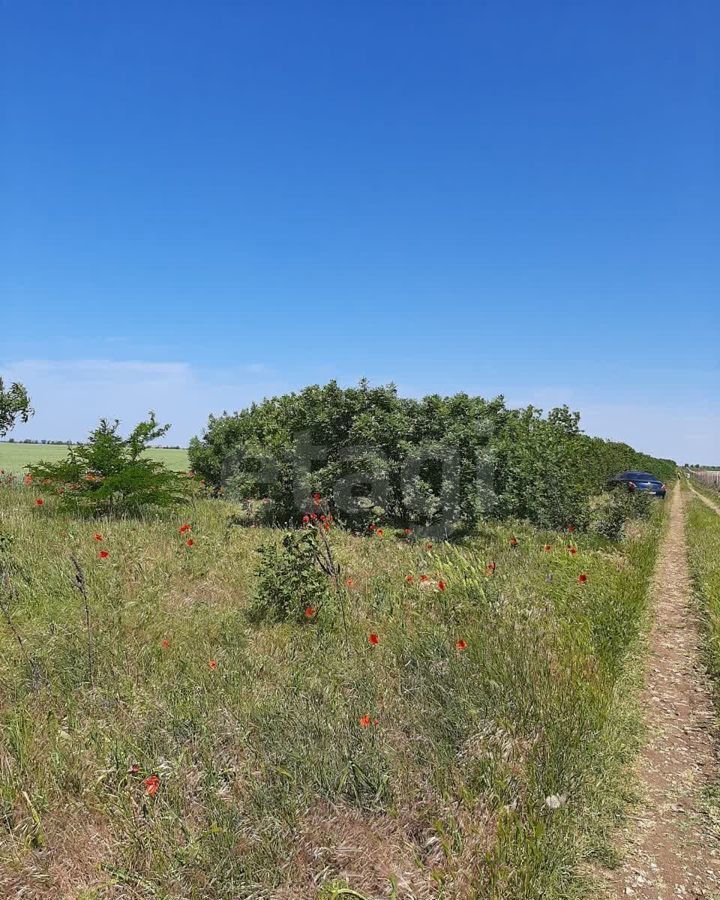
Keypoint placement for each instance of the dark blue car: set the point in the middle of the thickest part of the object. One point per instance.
(639, 481)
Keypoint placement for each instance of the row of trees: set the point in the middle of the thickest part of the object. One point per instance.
(439, 462)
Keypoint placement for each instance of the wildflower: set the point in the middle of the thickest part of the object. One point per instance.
(461, 645)
(424, 578)
(408, 532)
(373, 639)
(152, 785)
(547, 548)
(310, 612)
(213, 664)
(428, 546)
(316, 497)
(189, 542)
(572, 550)
(103, 554)
(441, 585)
(582, 579)
(490, 568)
(409, 579)
(184, 528)
(326, 526)
(364, 721)
(134, 769)
(39, 502)
(379, 532)
(313, 516)
(165, 644)
(571, 528)
(322, 518)
(27, 480)
(372, 527)
(351, 582)
(513, 541)
(97, 536)
(306, 520)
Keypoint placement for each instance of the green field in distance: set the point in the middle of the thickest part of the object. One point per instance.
(14, 457)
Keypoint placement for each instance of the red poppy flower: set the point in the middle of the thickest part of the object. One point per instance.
(165, 644)
(364, 721)
(547, 548)
(97, 536)
(441, 585)
(152, 784)
(326, 526)
(103, 554)
(571, 528)
(213, 664)
(351, 582)
(373, 639)
(306, 520)
(379, 532)
(582, 578)
(371, 527)
(185, 527)
(39, 502)
(313, 516)
(461, 645)
(572, 550)
(409, 579)
(513, 541)
(424, 578)
(310, 612)
(189, 542)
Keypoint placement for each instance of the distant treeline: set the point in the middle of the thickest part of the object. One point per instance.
(77, 443)
(448, 462)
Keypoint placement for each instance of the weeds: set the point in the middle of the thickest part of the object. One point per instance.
(473, 750)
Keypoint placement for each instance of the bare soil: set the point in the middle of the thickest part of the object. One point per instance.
(671, 848)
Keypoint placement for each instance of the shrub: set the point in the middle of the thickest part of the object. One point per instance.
(441, 463)
(616, 509)
(291, 584)
(109, 475)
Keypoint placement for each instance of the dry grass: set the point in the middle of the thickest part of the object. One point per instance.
(269, 787)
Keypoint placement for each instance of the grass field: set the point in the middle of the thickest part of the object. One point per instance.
(14, 457)
(155, 742)
(704, 552)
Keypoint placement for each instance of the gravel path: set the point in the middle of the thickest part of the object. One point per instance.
(670, 847)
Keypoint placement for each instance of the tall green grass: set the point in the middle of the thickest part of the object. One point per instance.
(704, 552)
(492, 771)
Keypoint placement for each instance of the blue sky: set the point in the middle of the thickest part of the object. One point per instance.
(204, 203)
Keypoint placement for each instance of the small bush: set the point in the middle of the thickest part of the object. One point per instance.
(615, 510)
(291, 585)
(109, 475)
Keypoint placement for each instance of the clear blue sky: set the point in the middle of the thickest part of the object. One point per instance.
(205, 202)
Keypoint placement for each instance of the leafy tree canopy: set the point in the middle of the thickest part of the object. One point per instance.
(14, 406)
